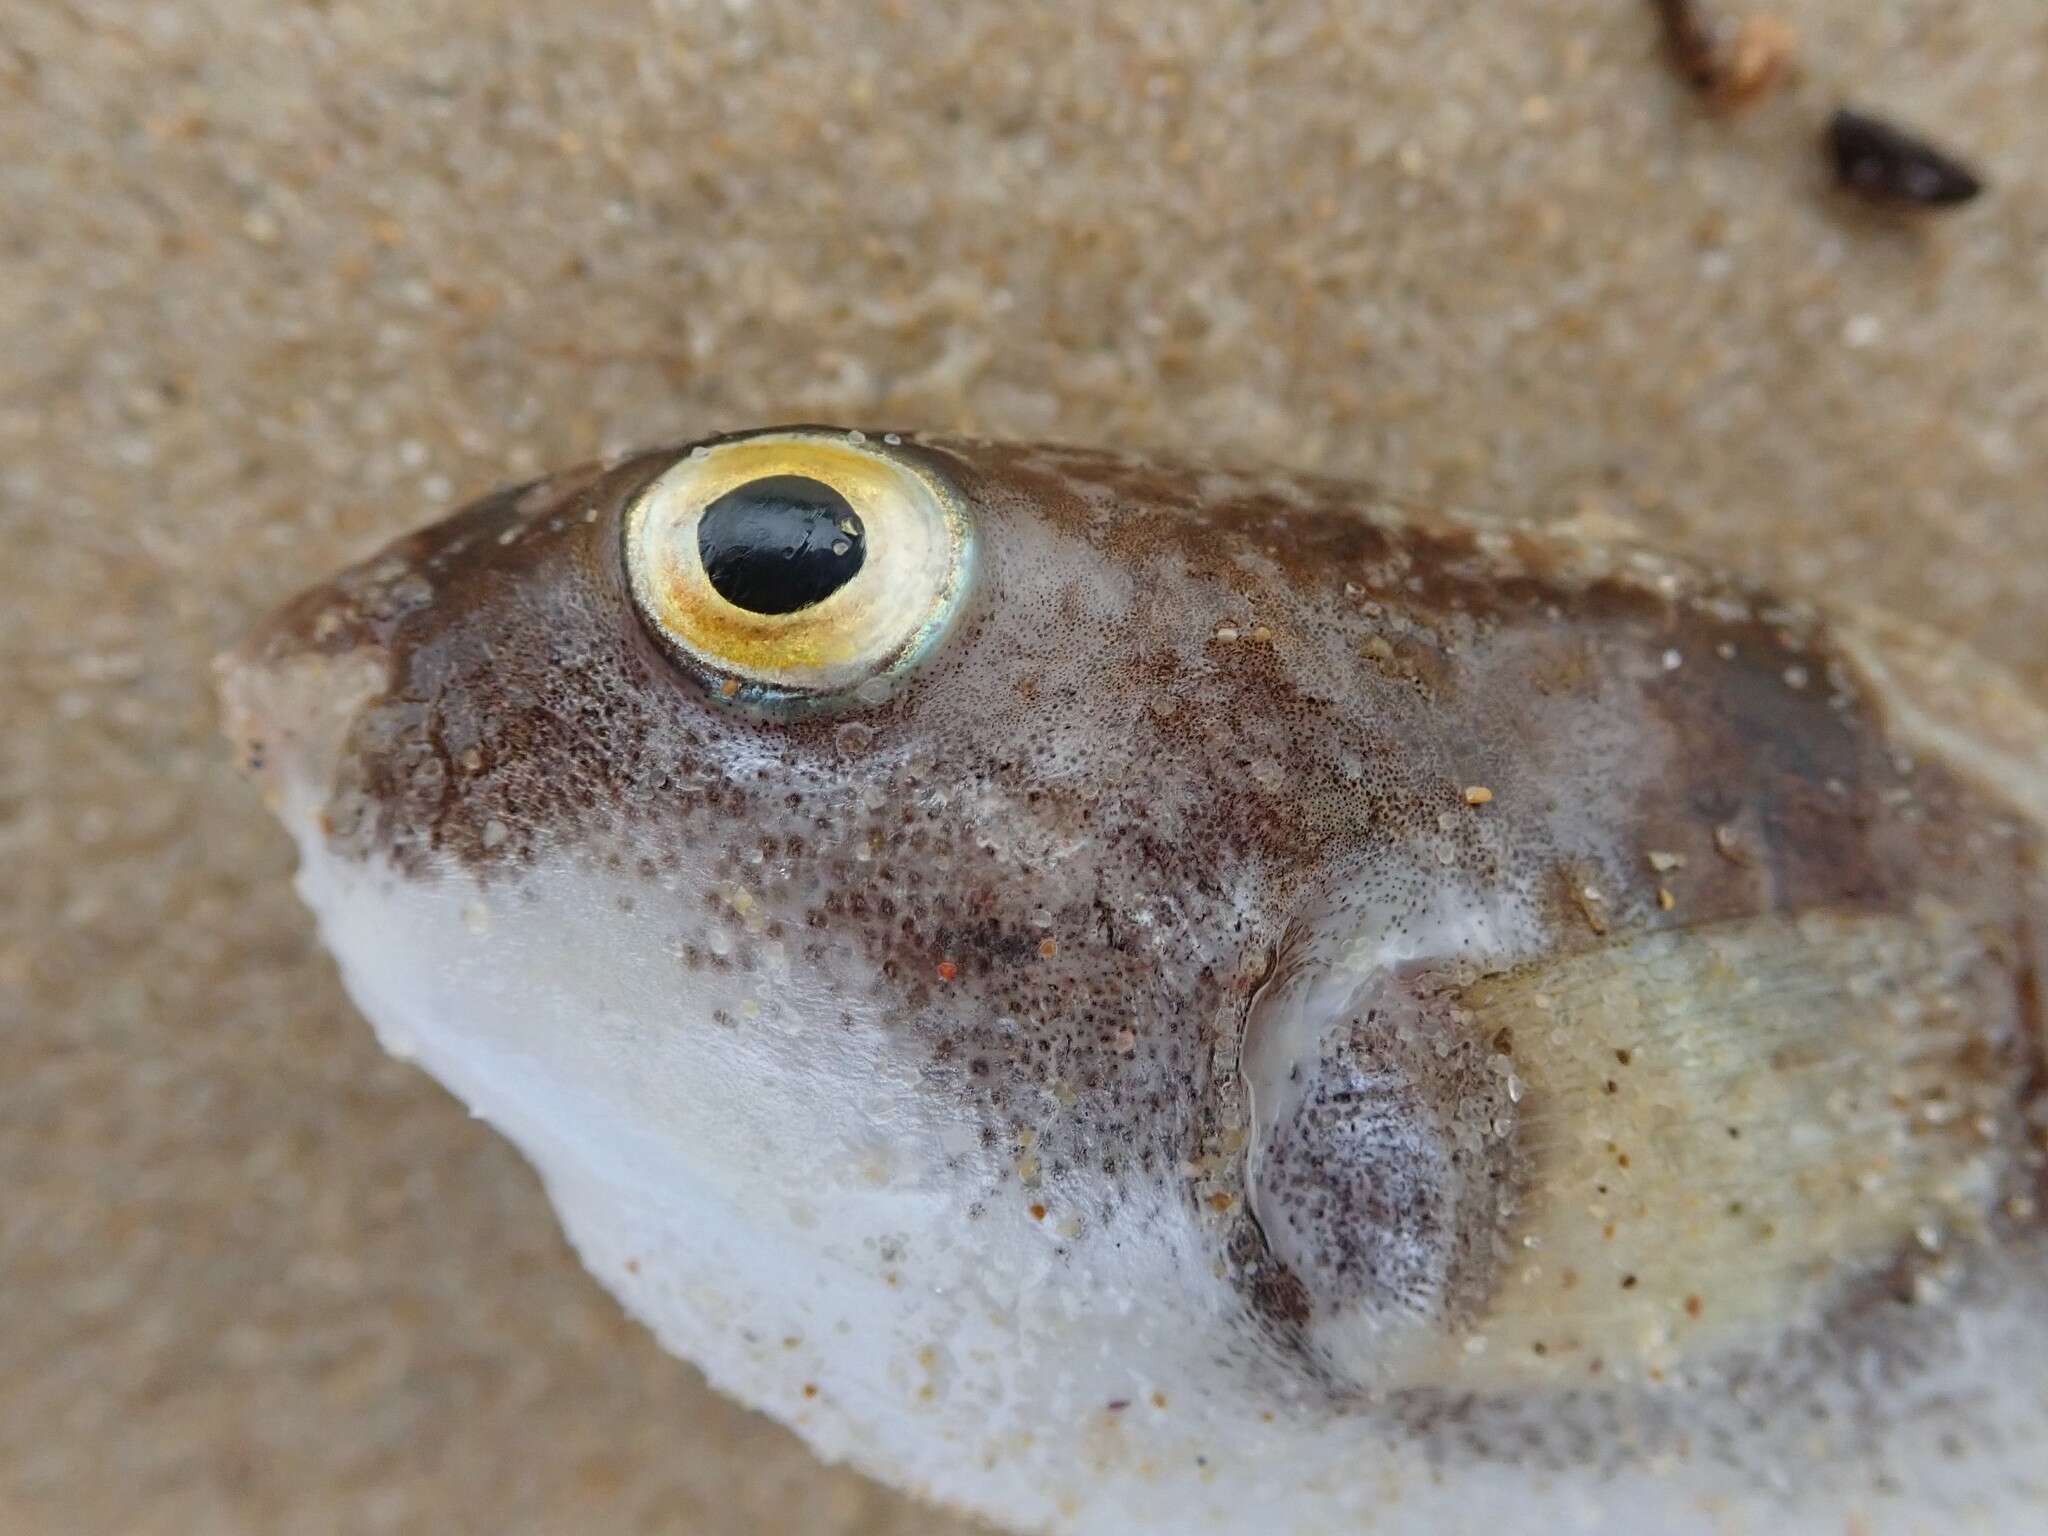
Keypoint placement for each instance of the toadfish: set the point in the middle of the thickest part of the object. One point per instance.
(1128, 998)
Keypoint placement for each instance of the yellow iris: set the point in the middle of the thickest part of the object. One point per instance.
(851, 643)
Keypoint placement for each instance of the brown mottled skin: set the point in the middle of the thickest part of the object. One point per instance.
(1802, 779)
(1097, 822)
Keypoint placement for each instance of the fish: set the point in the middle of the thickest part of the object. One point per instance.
(1124, 996)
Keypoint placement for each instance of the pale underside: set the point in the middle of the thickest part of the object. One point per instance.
(1067, 1380)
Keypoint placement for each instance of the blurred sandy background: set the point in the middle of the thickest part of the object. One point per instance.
(280, 280)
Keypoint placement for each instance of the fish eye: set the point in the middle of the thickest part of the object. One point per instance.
(797, 566)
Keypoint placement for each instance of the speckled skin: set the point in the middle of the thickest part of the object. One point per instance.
(1057, 966)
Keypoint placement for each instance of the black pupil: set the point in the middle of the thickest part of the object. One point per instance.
(780, 543)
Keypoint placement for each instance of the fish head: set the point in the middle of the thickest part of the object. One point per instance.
(936, 885)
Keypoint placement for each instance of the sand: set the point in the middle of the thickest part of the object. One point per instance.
(279, 281)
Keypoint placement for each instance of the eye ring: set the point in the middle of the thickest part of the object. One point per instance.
(797, 567)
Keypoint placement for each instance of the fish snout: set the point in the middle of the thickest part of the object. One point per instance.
(291, 691)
